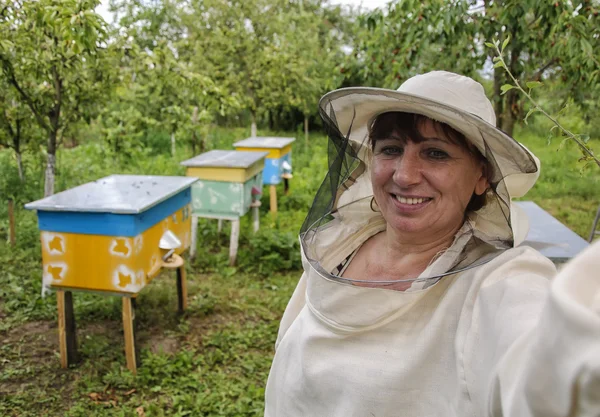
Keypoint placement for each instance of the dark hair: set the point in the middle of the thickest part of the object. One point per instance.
(405, 127)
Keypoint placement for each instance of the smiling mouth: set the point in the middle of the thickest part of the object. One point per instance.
(411, 201)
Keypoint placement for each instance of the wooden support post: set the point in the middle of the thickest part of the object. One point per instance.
(67, 331)
(220, 225)
(181, 289)
(136, 349)
(286, 186)
(129, 333)
(233, 242)
(255, 219)
(273, 197)
(11, 223)
(62, 332)
(194, 236)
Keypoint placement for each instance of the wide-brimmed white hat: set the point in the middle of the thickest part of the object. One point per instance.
(456, 100)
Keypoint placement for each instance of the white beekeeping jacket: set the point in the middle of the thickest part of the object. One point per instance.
(485, 330)
(496, 340)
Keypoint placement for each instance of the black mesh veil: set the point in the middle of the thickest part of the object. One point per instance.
(342, 216)
(342, 160)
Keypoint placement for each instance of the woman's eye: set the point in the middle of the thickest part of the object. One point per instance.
(391, 150)
(437, 154)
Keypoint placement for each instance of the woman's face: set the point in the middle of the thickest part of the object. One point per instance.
(423, 189)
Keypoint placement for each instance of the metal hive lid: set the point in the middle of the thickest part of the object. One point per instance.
(225, 159)
(265, 142)
(120, 194)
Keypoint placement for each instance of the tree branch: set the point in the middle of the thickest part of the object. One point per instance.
(3, 118)
(3, 10)
(58, 97)
(13, 80)
(11, 132)
(17, 137)
(565, 131)
(538, 74)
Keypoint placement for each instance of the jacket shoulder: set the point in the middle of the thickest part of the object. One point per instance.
(522, 263)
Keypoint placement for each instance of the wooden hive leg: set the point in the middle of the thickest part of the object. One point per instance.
(219, 225)
(194, 236)
(286, 186)
(129, 333)
(233, 241)
(273, 197)
(67, 330)
(181, 289)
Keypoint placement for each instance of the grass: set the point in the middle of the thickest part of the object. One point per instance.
(567, 189)
(213, 360)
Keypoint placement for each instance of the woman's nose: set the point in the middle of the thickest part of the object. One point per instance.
(408, 170)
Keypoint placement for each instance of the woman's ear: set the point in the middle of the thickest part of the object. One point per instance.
(482, 183)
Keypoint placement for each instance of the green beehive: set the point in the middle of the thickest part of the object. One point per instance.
(229, 183)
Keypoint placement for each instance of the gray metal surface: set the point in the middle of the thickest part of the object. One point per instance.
(264, 142)
(122, 194)
(225, 159)
(549, 236)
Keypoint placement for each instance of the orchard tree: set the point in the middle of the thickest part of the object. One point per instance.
(167, 92)
(557, 40)
(309, 64)
(548, 40)
(411, 37)
(17, 127)
(50, 53)
(244, 46)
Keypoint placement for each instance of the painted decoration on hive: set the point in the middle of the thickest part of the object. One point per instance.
(223, 198)
(109, 263)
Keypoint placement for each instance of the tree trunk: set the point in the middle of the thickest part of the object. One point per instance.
(20, 166)
(498, 99)
(16, 139)
(203, 140)
(512, 106)
(306, 128)
(253, 126)
(54, 117)
(50, 174)
(511, 112)
(271, 120)
(172, 143)
(193, 143)
(509, 123)
(194, 127)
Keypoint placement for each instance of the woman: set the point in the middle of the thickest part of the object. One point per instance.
(416, 298)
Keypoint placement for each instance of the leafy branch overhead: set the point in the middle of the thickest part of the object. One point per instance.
(553, 40)
(499, 62)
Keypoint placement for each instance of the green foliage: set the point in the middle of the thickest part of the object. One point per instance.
(582, 141)
(212, 362)
(549, 40)
(565, 189)
(269, 251)
(412, 37)
(52, 60)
